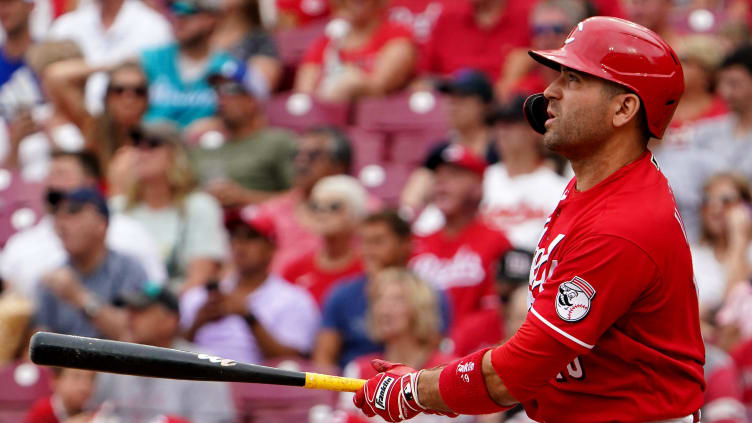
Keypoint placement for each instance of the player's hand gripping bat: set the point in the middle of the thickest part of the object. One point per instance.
(52, 349)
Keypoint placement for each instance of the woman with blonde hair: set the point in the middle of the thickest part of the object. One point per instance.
(404, 315)
(161, 194)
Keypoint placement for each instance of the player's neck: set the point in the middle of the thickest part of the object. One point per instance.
(592, 169)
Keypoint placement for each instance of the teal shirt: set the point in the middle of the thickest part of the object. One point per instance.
(173, 99)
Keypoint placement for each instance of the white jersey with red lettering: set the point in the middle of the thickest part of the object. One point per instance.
(612, 277)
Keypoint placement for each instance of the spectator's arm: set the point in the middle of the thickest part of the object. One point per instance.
(231, 194)
(417, 190)
(270, 347)
(327, 348)
(64, 81)
(200, 271)
(394, 66)
(307, 78)
(269, 67)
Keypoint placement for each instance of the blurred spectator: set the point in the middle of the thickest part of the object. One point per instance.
(178, 72)
(18, 87)
(321, 152)
(251, 315)
(72, 389)
(384, 242)
(34, 133)
(161, 195)
(654, 15)
(109, 32)
(361, 55)
(419, 15)
(255, 162)
(521, 192)
(296, 13)
(77, 298)
(723, 395)
(470, 99)
(742, 355)
(153, 319)
(126, 101)
(33, 252)
(477, 34)
(460, 258)
(550, 22)
(403, 313)
(723, 257)
(241, 33)
(338, 204)
(730, 137)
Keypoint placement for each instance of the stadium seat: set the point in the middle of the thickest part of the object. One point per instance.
(299, 112)
(420, 111)
(22, 385)
(368, 147)
(20, 204)
(293, 43)
(385, 180)
(411, 147)
(281, 404)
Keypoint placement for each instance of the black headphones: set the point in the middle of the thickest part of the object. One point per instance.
(535, 112)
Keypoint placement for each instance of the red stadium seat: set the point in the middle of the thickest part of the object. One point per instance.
(421, 111)
(293, 43)
(412, 147)
(368, 147)
(20, 204)
(299, 112)
(385, 180)
(22, 385)
(280, 404)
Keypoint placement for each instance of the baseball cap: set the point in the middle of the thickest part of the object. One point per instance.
(459, 156)
(150, 294)
(237, 77)
(87, 195)
(250, 217)
(468, 82)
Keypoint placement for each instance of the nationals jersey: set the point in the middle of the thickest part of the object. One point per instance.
(612, 278)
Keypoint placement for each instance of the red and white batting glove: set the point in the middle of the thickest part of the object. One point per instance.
(392, 394)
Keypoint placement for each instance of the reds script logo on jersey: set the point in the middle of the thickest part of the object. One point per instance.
(573, 299)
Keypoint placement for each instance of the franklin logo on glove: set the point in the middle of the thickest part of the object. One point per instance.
(381, 392)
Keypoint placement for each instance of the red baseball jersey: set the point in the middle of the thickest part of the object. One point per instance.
(462, 265)
(307, 273)
(612, 277)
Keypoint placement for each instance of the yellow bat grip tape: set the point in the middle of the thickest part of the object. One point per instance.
(332, 383)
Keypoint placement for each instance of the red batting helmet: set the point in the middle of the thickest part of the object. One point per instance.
(629, 55)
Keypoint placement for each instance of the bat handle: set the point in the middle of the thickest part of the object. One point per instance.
(332, 383)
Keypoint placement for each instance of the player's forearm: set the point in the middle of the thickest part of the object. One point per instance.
(430, 396)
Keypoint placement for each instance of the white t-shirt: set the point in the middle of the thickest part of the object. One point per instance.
(31, 253)
(710, 275)
(136, 27)
(286, 311)
(520, 205)
(194, 231)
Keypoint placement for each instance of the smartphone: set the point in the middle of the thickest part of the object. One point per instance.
(212, 286)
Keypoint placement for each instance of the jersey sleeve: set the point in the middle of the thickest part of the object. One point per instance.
(600, 280)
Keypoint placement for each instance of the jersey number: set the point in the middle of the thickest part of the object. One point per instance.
(574, 371)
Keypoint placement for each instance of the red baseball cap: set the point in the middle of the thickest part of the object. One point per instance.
(459, 156)
(251, 217)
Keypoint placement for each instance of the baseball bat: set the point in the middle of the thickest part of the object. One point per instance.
(53, 349)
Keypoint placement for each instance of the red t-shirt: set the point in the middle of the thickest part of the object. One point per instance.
(457, 42)
(463, 266)
(42, 412)
(612, 278)
(418, 15)
(364, 57)
(305, 272)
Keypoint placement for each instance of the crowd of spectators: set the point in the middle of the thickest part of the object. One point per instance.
(313, 184)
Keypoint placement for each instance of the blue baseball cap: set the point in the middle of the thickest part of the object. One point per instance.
(243, 79)
(91, 196)
(468, 82)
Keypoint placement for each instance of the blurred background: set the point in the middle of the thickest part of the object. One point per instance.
(310, 184)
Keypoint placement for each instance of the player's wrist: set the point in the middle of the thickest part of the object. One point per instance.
(462, 386)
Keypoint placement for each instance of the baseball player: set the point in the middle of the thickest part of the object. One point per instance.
(612, 332)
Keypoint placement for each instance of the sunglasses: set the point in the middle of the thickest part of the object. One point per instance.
(145, 142)
(723, 200)
(230, 88)
(309, 155)
(69, 208)
(558, 29)
(332, 207)
(136, 90)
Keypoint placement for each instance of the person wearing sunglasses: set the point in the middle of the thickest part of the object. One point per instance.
(178, 73)
(337, 205)
(550, 23)
(253, 163)
(161, 194)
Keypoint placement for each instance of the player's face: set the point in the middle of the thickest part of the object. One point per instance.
(390, 311)
(381, 248)
(455, 189)
(735, 86)
(578, 114)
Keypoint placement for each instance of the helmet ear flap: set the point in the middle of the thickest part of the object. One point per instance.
(536, 113)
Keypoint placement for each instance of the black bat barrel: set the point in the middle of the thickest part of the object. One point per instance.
(52, 349)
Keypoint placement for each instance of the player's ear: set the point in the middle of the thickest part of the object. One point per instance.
(625, 109)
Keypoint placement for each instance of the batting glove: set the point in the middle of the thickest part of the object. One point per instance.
(392, 394)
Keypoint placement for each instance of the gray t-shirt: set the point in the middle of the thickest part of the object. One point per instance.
(118, 273)
(141, 399)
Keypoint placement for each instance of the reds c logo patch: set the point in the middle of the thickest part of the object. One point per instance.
(573, 299)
